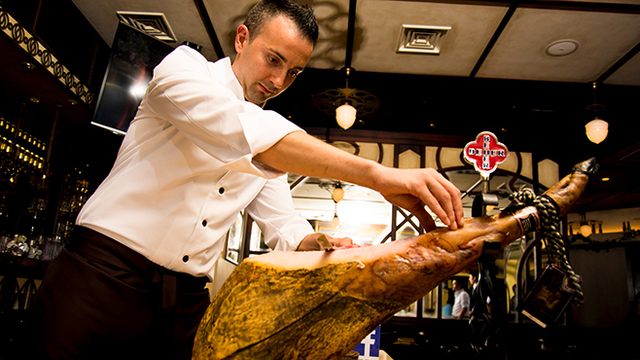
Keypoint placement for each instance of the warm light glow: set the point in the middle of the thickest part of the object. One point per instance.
(597, 130)
(605, 179)
(585, 229)
(345, 115)
(336, 221)
(337, 194)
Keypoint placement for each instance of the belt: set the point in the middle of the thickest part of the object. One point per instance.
(124, 262)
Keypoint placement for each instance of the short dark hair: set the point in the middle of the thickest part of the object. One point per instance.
(301, 15)
(462, 281)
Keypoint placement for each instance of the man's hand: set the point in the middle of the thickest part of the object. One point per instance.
(412, 189)
(310, 242)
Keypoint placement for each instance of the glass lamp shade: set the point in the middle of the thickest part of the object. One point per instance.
(338, 194)
(345, 115)
(597, 130)
(336, 221)
(585, 229)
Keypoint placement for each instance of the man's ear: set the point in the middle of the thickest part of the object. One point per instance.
(242, 37)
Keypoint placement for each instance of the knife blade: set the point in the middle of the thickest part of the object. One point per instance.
(324, 243)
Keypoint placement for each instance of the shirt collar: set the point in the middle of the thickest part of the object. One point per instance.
(229, 79)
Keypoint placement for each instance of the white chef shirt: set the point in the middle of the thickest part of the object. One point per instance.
(185, 169)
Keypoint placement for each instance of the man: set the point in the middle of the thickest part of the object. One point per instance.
(461, 303)
(475, 292)
(201, 149)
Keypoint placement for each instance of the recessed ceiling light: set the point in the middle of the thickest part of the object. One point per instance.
(561, 47)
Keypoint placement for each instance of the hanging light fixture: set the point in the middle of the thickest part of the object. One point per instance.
(337, 194)
(346, 115)
(335, 222)
(585, 228)
(597, 129)
(346, 103)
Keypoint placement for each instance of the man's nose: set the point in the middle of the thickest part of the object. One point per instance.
(278, 79)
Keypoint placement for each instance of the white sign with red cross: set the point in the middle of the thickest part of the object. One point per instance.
(486, 153)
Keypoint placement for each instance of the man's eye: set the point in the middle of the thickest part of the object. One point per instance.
(294, 73)
(272, 59)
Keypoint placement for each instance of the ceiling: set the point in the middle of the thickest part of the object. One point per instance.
(489, 47)
(488, 39)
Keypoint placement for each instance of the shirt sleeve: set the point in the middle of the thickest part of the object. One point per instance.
(466, 301)
(282, 226)
(204, 101)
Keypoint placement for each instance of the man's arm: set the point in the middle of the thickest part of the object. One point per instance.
(462, 313)
(465, 301)
(410, 189)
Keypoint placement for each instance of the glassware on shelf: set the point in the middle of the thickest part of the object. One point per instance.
(18, 246)
(35, 247)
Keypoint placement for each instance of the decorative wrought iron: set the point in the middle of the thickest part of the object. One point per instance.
(364, 102)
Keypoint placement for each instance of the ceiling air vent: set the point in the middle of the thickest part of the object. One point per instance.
(422, 39)
(153, 24)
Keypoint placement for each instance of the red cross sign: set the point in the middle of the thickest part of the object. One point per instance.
(486, 153)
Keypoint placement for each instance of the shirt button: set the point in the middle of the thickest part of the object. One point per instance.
(221, 190)
(185, 258)
(204, 223)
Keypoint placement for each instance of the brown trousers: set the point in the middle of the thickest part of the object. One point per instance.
(101, 300)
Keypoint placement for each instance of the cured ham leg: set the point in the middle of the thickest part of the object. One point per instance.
(320, 305)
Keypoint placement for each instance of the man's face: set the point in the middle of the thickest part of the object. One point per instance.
(268, 64)
(454, 285)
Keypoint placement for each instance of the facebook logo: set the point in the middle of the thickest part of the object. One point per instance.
(369, 348)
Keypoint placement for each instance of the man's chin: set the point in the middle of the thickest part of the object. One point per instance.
(260, 101)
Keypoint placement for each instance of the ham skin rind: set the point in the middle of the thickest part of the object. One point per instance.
(321, 304)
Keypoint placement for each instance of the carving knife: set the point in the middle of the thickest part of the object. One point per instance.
(324, 243)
